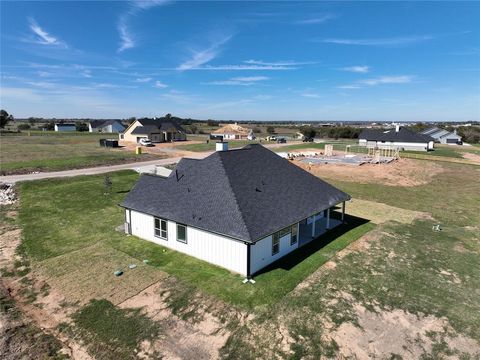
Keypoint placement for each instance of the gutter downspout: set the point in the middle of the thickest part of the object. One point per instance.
(249, 275)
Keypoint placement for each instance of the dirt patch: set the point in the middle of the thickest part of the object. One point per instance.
(379, 213)
(472, 157)
(383, 333)
(184, 339)
(403, 172)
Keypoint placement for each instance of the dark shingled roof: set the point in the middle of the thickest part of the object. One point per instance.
(403, 135)
(143, 130)
(246, 194)
(162, 124)
(101, 123)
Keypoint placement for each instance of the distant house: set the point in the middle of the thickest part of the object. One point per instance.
(443, 136)
(65, 127)
(232, 132)
(106, 126)
(400, 138)
(240, 209)
(157, 130)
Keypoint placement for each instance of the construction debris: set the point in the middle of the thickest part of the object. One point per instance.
(7, 194)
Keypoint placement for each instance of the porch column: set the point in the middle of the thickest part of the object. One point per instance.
(343, 211)
(328, 218)
(313, 227)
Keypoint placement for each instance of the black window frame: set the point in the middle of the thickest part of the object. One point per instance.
(275, 244)
(185, 241)
(158, 231)
(293, 234)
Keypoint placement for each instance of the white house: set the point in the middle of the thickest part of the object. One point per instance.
(399, 138)
(65, 127)
(239, 209)
(157, 130)
(443, 136)
(106, 126)
(233, 132)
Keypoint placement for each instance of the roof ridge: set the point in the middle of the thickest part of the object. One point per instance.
(237, 205)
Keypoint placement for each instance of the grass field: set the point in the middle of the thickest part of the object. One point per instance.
(52, 151)
(211, 145)
(406, 269)
(77, 216)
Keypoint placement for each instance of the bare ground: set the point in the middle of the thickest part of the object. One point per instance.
(402, 172)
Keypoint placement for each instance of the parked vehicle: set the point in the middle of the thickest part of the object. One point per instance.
(145, 142)
(271, 138)
(307, 139)
(281, 141)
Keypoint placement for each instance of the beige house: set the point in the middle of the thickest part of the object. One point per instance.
(156, 130)
(232, 132)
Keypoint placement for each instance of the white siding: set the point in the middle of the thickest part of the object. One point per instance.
(261, 251)
(216, 249)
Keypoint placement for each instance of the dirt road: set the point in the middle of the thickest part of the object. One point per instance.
(95, 170)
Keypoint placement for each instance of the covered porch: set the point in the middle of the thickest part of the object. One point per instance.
(318, 224)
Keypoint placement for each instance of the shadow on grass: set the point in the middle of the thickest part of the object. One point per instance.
(297, 256)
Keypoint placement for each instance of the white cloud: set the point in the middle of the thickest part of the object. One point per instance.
(400, 79)
(240, 80)
(126, 38)
(201, 57)
(143, 80)
(357, 69)
(278, 63)
(316, 20)
(311, 95)
(250, 78)
(160, 85)
(43, 37)
(393, 41)
(243, 67)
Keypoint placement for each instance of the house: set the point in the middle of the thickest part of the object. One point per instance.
(400, 138)
(65, 127)
(106, 126)
(443, 136)
(232, 132)
(157, 130)
(239, 209)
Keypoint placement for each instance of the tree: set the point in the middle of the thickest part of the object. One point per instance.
(168, 116)
(193, 128)
(211, 123)
(257, 130)
(308, 131)
(270, 130)
(5, 118)
(81, 126)
(23, 126)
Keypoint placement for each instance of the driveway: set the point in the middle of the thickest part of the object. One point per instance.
(11, 179)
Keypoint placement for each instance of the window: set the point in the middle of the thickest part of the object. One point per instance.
(161, 228)
(275, 244)
(182, 233)
(284, 232)
(294, 237)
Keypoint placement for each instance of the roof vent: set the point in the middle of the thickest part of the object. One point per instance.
(397, 128)
(221, 146)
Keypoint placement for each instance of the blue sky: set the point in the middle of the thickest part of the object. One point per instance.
(392, 61)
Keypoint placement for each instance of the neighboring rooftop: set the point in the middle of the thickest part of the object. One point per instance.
(245, 194)
(101, 123)
(401, 134)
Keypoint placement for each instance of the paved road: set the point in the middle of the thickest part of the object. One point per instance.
(96, 170)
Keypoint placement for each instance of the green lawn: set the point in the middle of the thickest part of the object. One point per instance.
(406, 266)
(50, 151)
(76, 215)
(211, 145)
